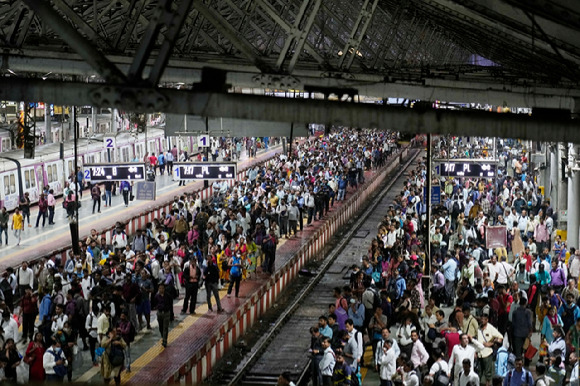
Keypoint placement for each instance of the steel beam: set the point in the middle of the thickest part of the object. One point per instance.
(271, 12)
(226, 30)
(80, 23)
(303, 36)
(364, 17)
(76, 41)
(170, 37)
(261, 108)
(468, 90)
(293, 35)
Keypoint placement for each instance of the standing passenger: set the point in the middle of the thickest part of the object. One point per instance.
(51, 204)
(4, 218)
(17, 225)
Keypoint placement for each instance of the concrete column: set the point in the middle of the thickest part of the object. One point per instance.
(93, 129)
(573, 197)
(47, 124)
(562, 183)
(554, 177)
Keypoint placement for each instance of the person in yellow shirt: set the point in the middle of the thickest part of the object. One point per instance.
(17, 224)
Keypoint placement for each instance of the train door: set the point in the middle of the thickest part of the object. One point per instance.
(139, 151)
(164, 145)
(54, 177)
(125, 157)
(151, 146)
(9, 190)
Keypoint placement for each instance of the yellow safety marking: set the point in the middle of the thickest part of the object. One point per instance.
(22, 249)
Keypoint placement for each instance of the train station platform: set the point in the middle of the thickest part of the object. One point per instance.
(56, 239)
(197, 342)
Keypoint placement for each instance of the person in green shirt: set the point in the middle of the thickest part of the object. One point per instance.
(573, 336)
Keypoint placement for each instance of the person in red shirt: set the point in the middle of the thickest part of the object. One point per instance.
(153, 162)
(505, 302)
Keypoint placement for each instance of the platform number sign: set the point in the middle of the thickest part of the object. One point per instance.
(203, 140)
(109, 142)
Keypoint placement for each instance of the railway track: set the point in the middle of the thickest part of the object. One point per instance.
(283, 346)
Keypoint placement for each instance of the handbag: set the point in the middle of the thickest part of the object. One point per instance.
(29, 359)
(131, 197)
(530, 352)
(104, 197)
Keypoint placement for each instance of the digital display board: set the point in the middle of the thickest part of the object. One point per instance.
(205, 171)
(114, 172)
(466, 168)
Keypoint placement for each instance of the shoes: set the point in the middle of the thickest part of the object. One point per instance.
(211, 309)
(220, 310)
(229, 295)
(182, 312)
(192, 313)
(99, 211)
(164, 344)
(128, 369)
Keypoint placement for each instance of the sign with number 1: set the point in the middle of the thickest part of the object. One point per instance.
(109, 142)
(203, 140)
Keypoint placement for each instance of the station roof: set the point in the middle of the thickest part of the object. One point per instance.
(503, 52)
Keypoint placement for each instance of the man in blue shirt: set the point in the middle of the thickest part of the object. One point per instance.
(450, 272)
(518, 376)
(323, 327)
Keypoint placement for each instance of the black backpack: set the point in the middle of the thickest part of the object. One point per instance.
(440, 377)
(116, 356)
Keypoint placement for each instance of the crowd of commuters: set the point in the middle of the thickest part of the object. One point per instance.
(467, 314)
(99, 300)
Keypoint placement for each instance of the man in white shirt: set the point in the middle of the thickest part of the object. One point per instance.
(488, 336)
(466, 376)
(460, 352)
(354, 348)
(91, 327)
(10, 327)
(327, 362)
(24, 278)
(386, 334)
(53, 356)
(59, 319)
(388, 360)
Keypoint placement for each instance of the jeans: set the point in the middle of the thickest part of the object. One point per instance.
(5, 231)
(190, 297)
(310, 214)
(28, 325)
(212, 288)
(97, 202)
(341, 193)
(126, 197)
(128, 356)
(108, 197)
(50, 215)
(235, 280)
(43, 216)
(17, 233)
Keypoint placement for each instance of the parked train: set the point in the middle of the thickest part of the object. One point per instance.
(52, 167)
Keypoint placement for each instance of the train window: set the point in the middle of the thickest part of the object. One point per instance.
(27, 179)
(49, 173)
(6, 185)
(54, 172)
(125, 154)
(12, 183)
(5, 144)
(70, 167)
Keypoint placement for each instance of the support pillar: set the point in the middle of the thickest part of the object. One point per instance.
(562, 182)
(554, 176)
(93, 129)
(573, 197)
(47, 124)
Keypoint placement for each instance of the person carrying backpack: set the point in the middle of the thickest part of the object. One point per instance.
(518, 376)
(113, 361)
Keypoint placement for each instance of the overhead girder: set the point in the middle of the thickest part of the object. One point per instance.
(559, 11)
(294, 110)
